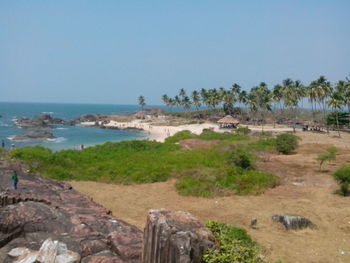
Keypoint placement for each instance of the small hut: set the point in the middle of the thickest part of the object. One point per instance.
(228, 122)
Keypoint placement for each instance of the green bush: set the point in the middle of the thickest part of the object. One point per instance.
(179, 136)
(240, 157)
(243, 130)
(235, 245)
(254, 182)
(286, 143)
(329, 156)
(343, 178)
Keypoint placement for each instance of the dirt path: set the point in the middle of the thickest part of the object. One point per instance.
(304, 191)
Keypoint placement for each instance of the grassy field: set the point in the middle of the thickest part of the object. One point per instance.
(202, 172)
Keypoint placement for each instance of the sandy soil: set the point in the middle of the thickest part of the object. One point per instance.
(304, 191)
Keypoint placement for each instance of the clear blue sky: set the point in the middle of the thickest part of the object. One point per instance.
(114, 51)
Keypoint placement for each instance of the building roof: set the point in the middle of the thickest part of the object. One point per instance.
(229, 120)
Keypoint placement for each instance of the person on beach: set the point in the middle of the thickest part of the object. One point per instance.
(3, 144)
(14, 180)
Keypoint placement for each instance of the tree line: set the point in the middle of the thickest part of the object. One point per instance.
(321, 94)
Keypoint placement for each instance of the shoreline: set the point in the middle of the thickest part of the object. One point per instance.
(160, 133)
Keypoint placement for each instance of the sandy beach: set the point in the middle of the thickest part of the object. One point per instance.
(160, 133)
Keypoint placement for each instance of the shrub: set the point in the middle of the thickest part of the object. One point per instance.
(286, 143)
(343, 177)
(235, 245)
(243, 130)
(179, 136)
(240, 157)
(254, 182)
(329, 156)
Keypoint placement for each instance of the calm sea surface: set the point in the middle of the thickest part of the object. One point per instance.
(67, 137)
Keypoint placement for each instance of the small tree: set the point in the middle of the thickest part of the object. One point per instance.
(286, 143)
(343, 178)
(142, 102)
(329, 156)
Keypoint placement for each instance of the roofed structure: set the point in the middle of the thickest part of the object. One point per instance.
(228, 122)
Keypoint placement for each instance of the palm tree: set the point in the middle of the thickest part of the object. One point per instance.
(182, 93)
(336, 104)
(142, 102)
(186, 103)
(261, 100)
(177, 101)
(165, 99)
(196, 99)
(343, 89)
(229, 100)
(323, 90)
(276, 97)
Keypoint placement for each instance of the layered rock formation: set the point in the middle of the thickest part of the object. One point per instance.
(175, 237)
(42, 209)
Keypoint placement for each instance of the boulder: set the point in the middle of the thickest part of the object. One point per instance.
(293, 222)
(41, 209)
(175, 237)
(34, 136)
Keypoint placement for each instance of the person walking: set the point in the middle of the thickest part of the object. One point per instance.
(2, 143)
(14, 180)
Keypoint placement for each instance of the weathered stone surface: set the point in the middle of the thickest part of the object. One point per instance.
(43, 208)
(34, 136)
(293, 222)
(174, 237)
(49, 252)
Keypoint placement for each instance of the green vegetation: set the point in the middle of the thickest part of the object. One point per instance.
(343, 178)
(235, 245)
(216, 182)
(240, 157)
(243, 130)
(179, 136)
(206, 135)
(286, 143)
(204, 172)
(329, 156)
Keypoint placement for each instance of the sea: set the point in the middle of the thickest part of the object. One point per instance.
(66, 137)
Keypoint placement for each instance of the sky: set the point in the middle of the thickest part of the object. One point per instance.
(111, 52)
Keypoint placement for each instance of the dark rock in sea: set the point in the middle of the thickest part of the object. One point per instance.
(42, 209)
(41, 122)
(92, 118)
(34, 136)
(175, 237)
(293, 222)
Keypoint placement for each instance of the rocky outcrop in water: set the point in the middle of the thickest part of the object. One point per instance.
(42, 209)
(42, 122)
(175, 237)
(34, 136)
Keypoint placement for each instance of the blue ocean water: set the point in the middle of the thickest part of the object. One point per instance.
(67, 137)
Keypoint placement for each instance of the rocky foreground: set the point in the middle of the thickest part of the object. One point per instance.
(42, 209)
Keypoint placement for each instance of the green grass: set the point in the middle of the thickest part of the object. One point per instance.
(234, 245)
(206, 172)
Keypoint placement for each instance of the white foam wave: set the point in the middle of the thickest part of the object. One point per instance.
(11, 137)
(48, 112)
(58, 140)
(3, 124)
(61, 128)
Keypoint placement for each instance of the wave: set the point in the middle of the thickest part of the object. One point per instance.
(61, 128)
(47, 112)
(58, 140)
(3, 124)
(10, 137)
